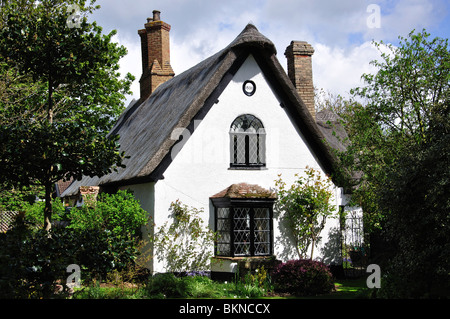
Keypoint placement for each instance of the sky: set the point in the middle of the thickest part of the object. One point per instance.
(341, 32)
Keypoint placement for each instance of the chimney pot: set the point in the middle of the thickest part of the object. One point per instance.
(156, 15)
(155, 46)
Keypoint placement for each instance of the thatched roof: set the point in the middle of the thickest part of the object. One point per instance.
(146, 128)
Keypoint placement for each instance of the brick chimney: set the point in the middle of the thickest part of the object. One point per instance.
(155, 46)
(299, 62)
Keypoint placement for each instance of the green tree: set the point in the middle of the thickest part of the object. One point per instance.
(418, 223)
(399, 145)
(306, 205)
(59, 128)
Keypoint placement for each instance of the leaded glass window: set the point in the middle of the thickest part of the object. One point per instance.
(247, 142)
(244, 231)
(262, 231)
(241, 231)
(223, 228)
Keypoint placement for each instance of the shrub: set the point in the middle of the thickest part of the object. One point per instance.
(99, 253)
(119, 213)
(33, 262)
(107, 233)
(306, 205)
(303, 277)
(166, 285)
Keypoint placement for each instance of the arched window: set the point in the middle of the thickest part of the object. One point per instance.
(247, 142)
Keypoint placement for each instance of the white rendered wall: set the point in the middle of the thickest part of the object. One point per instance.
(201, 168)
(145, 193)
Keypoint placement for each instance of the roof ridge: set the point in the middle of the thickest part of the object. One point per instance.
(250, 36)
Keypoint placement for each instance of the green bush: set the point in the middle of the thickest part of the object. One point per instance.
(119, 213)
(108, 232)
(32, 261)
(303, 277)
(14, 198)
(120, 292)
(99, 253)
(166, 285)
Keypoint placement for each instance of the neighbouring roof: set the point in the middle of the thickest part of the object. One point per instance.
(244, 190)
(146, 128)
(329, 123)
(62, 185)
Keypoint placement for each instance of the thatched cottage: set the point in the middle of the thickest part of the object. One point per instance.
(226, 127)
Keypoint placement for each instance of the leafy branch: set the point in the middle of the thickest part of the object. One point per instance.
(306, 205)
(183, 244)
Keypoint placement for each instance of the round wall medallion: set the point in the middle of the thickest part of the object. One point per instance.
(249, 87)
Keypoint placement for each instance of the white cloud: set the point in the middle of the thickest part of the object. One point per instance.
(399, 18)
(338, 70)
(131, 63)
(338, 30)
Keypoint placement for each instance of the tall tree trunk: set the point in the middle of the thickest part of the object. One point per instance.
(50, 101)
(48, 185)
(312, 248)
(48, 207)
(298, 250)
(295, 237)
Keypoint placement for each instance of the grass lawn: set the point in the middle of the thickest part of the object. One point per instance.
(345, 289)
(206, 288)
(349, 289)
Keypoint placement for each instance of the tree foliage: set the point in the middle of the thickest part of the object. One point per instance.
(418, 223)
(394, 111)
(306, 205)
(399, 143)
(60, 95)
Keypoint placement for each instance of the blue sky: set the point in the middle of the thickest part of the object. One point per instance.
(340, 31)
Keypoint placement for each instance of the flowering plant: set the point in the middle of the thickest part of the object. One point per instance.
(303, 277)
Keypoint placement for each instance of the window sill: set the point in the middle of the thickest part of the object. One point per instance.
(251, 263)
(244, 258)
(247, 168)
